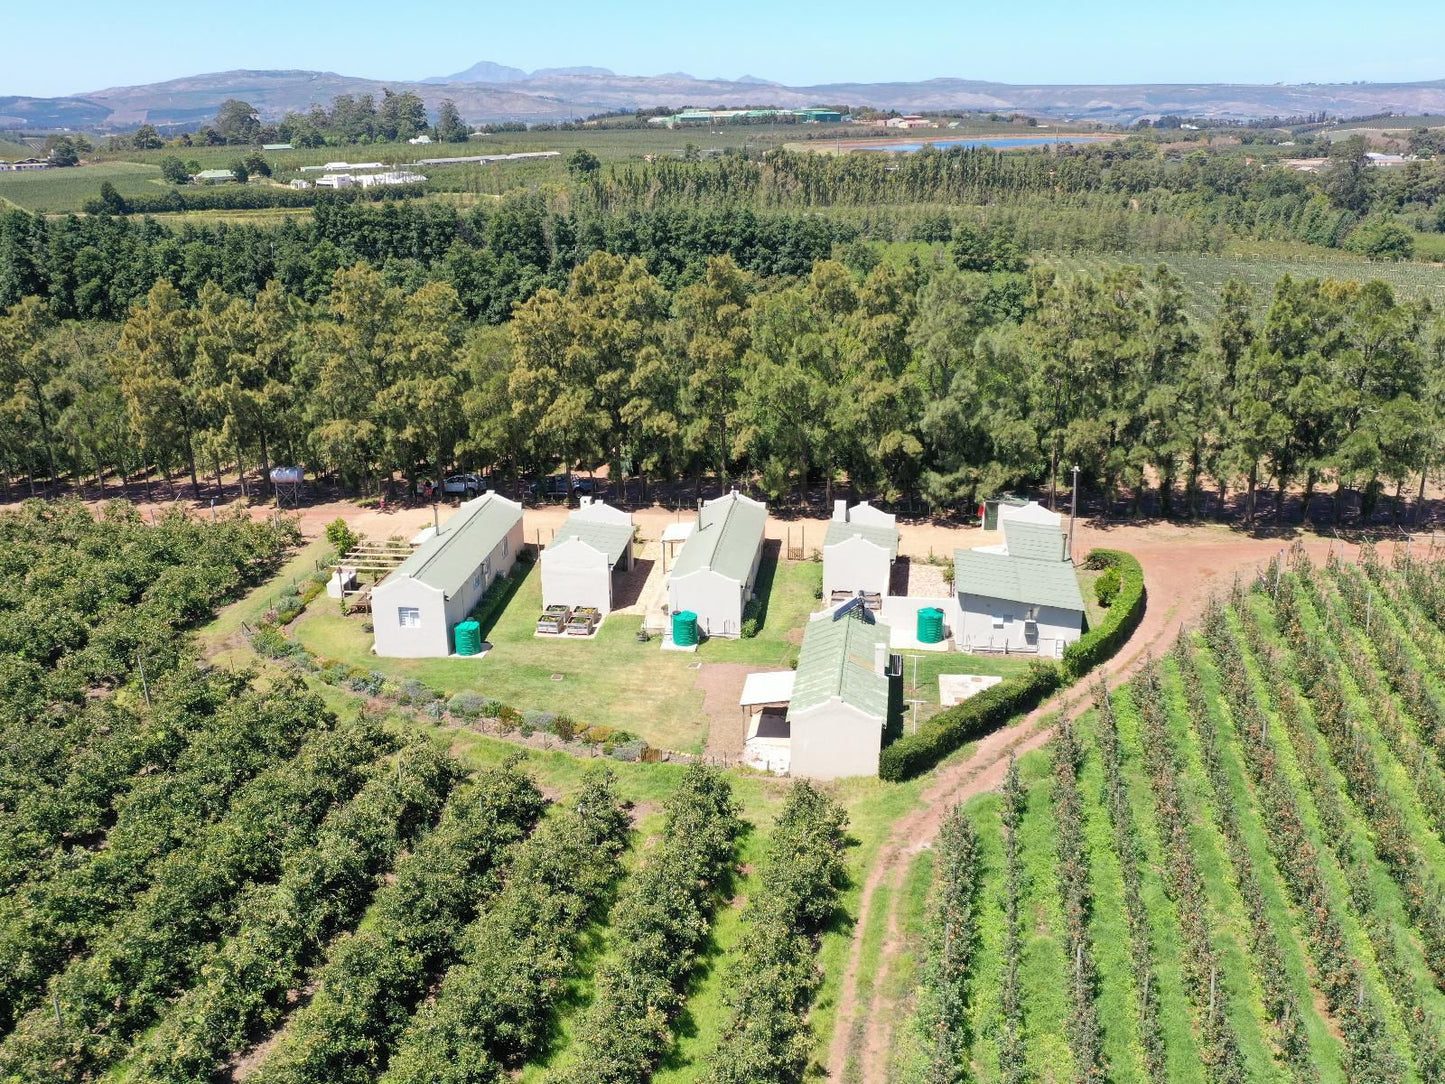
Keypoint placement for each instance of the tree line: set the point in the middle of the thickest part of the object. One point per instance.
(905, 378)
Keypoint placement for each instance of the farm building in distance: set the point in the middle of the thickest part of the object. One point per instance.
(580, 563)
(214, 176)
(837, 702)
(858, 551)
(1022, 596)
(415, 609)
(368, 180)
(718, 565)
(748, 116)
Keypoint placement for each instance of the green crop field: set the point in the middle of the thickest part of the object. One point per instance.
(10, 150)
(1231, 862)
(1204, 275)
(62, 191)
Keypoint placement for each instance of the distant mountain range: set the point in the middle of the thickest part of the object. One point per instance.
(488, 91)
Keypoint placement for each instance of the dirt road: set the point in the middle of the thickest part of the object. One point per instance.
(1182, 566)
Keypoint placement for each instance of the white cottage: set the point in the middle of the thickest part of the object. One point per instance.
(580, 563)
(414, 610)
(718, 565)
(1028, 512)
(858, 551)
(1021, 596)
(840, 698)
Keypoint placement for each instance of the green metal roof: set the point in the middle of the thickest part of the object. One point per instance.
(1013, 578)
(842, 530)
(447, 560)
(839, 658)
(1033, 541)
(610, 538)
(728, 533)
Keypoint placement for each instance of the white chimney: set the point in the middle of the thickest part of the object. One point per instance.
(840, 511)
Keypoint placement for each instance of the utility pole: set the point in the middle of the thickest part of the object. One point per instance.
(1073, 512)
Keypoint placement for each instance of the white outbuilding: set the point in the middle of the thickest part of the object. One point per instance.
(579, 566)
(415, 609)
(838, 701)
(1022, 596)
(858, 551)
(1028, 512)
(717, 567)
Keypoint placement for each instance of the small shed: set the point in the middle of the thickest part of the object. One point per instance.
(214, 176)
(717, 568)
(579, 566)
(841, 698)
(416, 607)
(1028, 512)
(858, 551)
(1022, 596)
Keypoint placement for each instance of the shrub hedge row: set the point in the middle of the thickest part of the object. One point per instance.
(1122, 618)
(978, 715)
(243, 198)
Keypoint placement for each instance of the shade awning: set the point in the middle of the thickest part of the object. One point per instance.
(774, 687)
(677, 532)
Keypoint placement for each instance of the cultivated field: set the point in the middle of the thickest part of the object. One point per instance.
(62, 191)
(1204, 276)
(1229, 869)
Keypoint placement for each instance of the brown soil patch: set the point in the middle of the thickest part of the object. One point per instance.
(722, 685)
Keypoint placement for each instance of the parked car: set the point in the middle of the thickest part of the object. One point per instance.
(468, 485)
(566, 485)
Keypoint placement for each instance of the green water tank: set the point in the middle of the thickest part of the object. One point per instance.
(930, 625)
(684, 628)
(469, 638)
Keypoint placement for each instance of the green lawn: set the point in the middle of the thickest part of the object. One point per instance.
(922, 668)
(611, 680)
(61, 191)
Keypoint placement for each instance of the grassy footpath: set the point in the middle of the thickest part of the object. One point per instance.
(1044, 970)
(1324, 1043)
(1335, 878)
(1351, 862)
(1116, 997)
(1181, 1052)
(1230, 922)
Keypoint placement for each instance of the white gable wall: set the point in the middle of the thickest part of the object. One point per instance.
(575, 574)
(856, 564)
(717, 600)
(869, 516)
(439, 615)
(1033, 512)
(833, 740)
(1057, 627)
(429, 639)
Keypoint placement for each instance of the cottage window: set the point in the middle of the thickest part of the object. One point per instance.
(477, 578)
(486, 566)
(409, 617)
(998, 621)
(506, 543)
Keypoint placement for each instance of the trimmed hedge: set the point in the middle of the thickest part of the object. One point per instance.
(1119, 623)
(976, 716)
(993, 707)
(246, 198)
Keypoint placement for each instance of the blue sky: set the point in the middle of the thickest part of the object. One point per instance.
(82, 45)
